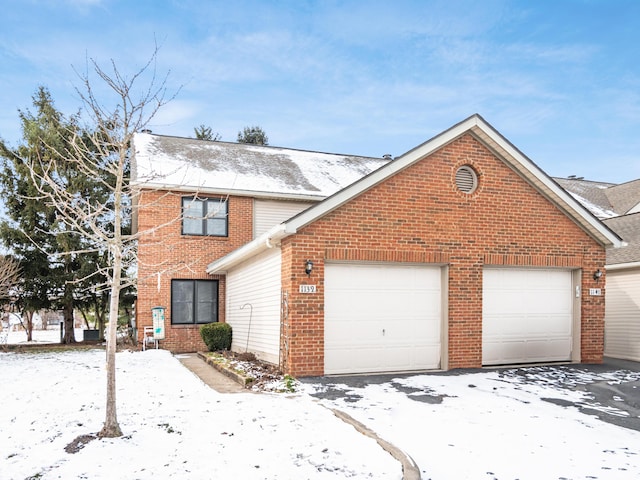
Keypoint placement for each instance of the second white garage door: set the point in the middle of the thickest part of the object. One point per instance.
(382, 318)
(527, 316)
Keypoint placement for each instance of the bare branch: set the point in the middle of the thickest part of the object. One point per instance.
(10, 274)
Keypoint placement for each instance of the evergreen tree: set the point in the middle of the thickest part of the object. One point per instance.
(253, 135)
(206, 133)
(33, 231)
(61, 269)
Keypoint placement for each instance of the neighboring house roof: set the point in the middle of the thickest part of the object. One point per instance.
(604, 200)
(627, 227)
(625, 197)
(593, 195)
(474, 125)
(164, 162)
(618, 206)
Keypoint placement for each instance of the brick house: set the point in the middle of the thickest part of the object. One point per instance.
(459, 253)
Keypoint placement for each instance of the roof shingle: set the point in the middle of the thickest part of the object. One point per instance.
(183, 163)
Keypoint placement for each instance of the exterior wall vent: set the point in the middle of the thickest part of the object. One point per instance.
(466, 179)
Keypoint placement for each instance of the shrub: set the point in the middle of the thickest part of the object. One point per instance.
(216, 336)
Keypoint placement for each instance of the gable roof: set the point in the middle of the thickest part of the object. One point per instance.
(481, 130)
(187, 164)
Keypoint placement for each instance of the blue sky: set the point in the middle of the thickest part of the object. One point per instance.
(559, 79)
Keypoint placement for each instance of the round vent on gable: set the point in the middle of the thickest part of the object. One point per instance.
(466, 179)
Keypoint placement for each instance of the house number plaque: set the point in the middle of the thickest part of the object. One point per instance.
(307, 289)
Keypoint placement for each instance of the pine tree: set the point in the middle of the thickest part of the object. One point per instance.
(33, 230)
(206, 133)
(254, 135)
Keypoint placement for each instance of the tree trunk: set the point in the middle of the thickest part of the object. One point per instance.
(100, 320)
(84, 317)
(111, 427)
(69, 323)
(29, 325)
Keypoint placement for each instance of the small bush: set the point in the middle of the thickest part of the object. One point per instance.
(216, 336)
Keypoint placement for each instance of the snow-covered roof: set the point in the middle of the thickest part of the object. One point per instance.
(617, 206)
(166, 162)
(604, 200)
(591, 194)
(474, 125)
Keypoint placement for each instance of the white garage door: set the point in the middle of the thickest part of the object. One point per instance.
(527, 316)
(382, 318)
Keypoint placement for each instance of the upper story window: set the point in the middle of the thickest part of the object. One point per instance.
(205, 216)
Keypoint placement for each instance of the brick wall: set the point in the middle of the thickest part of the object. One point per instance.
(164, 253)
(419, 216)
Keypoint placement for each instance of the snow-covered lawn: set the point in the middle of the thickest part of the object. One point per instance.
(174, 425)
(488, 426)
(51, 335)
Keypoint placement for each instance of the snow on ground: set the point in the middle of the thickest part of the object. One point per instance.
(488, 425)
(51, 335)
(174, 425)
(494, 425)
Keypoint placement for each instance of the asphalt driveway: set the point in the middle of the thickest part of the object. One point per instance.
(612, 388)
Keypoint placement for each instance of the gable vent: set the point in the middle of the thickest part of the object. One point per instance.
(466, 179)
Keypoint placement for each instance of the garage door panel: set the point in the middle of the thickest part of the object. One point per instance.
(382, 318)
(527, 316)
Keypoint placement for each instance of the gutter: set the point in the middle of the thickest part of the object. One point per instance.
(622, 266)
(262, 243)
(203, 190)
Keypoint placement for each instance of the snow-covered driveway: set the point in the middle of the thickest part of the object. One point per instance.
(530, 423)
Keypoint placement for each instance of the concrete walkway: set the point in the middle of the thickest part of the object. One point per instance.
(223, 384)
(209, 375)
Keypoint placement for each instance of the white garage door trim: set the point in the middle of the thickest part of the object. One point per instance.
(382, 317)
(527, 315)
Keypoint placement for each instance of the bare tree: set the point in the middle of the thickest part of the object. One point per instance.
(102, 152)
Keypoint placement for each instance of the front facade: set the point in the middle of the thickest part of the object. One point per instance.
(199, 201)
(460, 253)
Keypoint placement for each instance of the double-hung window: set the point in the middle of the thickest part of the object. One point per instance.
(194, 301)
(205, 216)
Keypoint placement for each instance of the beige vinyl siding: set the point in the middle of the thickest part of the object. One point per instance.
(268, 213)
(255, 284)
(622, 314)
